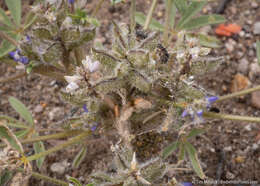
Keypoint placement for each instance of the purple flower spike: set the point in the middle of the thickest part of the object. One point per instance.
(71, 1)
(28, 39)
(200, 113)
(211, 100)
(85, 108)
(186, 184)
(24, 60)
(184, 113)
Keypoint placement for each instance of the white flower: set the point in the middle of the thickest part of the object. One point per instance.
(50, 16)
(89, 65)
(71, 87)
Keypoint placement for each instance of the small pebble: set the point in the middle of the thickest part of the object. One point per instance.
(243, 66)
(255, 99)
(38, 109)
(59, 167)
(248, 127)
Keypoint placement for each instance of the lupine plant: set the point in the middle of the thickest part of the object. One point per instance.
(140, 85)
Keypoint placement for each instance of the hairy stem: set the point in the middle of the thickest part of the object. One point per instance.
(132, 16)
(8, 38)
(240, 93)
(149, 16)
(45, 178)
(11, 78)
(52, 136)
(167, 22)
(231, 117)
(61, 146)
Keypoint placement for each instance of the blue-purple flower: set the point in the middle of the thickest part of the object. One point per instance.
(85, 108)
(186, 184)
(211, 100)
(16, 55)
(71, 1)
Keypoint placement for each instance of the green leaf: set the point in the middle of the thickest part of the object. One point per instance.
(29, 20)
(15, 8)
(203, 21)
(173, 15)
(192, 10)
(154, 25)
(5, 48)
(194, 159)
(21, 133)
(90, 184)
(80, 157)
(181, 152)
(21, 109)
(5, 177)
(258, 51)
(194, 132)
(5, 19)
(39, 147)
(75, 181)
(170, 149)
(13, 122)
(209, 41)
(181, 5)
(10, 138)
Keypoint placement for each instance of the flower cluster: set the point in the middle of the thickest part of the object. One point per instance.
(16, 55)
(89, 66)
(195, 110)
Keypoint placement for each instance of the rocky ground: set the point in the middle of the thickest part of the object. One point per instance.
(228, 150)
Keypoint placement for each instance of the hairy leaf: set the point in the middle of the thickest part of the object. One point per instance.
(5, 19)
(79, 157)
(154, 25)
(15, 8)
(203, 21)
(192, 10)
(21, 109)
(170, 149)
(194, 159)
(39, 147)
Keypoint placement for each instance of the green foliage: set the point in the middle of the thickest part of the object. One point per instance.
(154, 25)
(6, 134)
(5, 176)
(22, 110)
(79, 157)
(15, 8)
(38, 148)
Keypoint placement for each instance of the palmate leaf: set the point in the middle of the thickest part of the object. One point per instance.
(22, 110)
(203, 21)
(13, 122)
(154, 25)
(192, 10)
(10, 138)
(15, 8)
(194, 159)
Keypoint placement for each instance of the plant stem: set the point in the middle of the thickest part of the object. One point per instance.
(52, 136)
(149, 16)
(45, 178)
(97, 8)
(61, 146)
(132, 16)
(231, 117)
(17, 76)
(240, 93)
(167, 22)
(8, 38)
